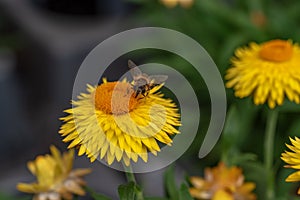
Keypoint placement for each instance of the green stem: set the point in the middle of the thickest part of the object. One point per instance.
(129, 173)
(131, 178)
(269, 152)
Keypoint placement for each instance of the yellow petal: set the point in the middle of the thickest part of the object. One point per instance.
(221, 194)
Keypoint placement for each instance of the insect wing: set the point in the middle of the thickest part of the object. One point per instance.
(158, 79)
(134, 70)
(131, 64)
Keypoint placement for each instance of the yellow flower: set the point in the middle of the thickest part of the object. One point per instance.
(110, 122)
(55, 177)
(293, 160)
(223, 183)
(269, 71)
(173, 3)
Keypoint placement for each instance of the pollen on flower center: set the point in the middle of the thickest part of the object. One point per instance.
(115, 97)
(276, 51)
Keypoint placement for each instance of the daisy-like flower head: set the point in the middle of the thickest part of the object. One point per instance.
(55, 178)
(293, 160)
(269, 72)
(112, 122)
(173, 3)
(223, 183)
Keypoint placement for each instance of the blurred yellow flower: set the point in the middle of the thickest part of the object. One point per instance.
(293, 160)
(173, 3)
(223, 183)
(269, 71)
(110, 122)
(55, 178)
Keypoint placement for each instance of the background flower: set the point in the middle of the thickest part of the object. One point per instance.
(173, 3)
(269, 72)
(55, 177)
(293, 160)
(222, 182)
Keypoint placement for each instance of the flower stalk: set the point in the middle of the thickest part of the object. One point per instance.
(131, 178)
(269, 152)
(129, 173)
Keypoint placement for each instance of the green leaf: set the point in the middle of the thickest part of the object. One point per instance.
(254, 4)
(285, 188)
(184, 193)
(128, 191)
(170, 184)
(293, 130)
(232, 128)
(100, 197)
(227, 49)
(9, 197)
(156, 198)
(237, 158)
(238, 124)
(256, 172)
(95, 195)
(289, 107)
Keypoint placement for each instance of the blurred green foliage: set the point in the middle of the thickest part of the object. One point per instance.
(4, 196)
(221, 26)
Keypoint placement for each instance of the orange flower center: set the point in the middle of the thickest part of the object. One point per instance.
(115, 98)
(276, 51)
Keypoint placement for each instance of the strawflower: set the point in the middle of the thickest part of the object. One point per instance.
(293, 160)
(222, 182)
(55, 178)
(269, 71)
(113, 123)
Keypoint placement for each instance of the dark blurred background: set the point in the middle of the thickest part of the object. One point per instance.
(43, 43)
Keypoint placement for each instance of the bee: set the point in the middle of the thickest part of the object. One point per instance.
(142, 82)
